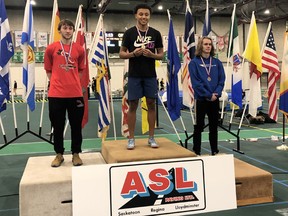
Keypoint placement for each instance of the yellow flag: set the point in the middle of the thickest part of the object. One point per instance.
(54, 34)
(144, 108)
(252, 51)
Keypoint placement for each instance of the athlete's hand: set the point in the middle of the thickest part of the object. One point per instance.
(138, 52)
(147, 53)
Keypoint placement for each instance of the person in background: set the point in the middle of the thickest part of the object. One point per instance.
(208, 78)
(142, 45)
(15, 88)
(64, 62)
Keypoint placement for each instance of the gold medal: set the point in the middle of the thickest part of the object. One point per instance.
(209, 78)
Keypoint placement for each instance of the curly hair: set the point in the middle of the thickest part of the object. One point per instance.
(199, 48)
(142, 6)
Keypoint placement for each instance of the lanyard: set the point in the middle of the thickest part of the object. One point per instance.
(207, 71)
(66, 57)
(140, 36)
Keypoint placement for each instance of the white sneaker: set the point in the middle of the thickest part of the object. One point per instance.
(282, 147)
(152, 143)
(131, 144)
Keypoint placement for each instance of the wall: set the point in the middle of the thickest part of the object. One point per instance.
(118, 22)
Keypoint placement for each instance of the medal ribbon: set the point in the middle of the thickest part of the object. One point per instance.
(207, 71)
(69, 54)
(139, 33)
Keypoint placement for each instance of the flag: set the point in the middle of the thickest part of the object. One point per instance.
(235, 60)
(173, 67)
(54, 33)
(100, 59)
(283, 102)
(189, 52)
(270, 62)
(79, 37)
(27, 41)
(144, 108)
(252, 54)
(207, 22)
(125, 105)
(6, 53)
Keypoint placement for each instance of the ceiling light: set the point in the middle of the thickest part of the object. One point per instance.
(215, 9)
(160, 7)
(32, 2)
(267, 11)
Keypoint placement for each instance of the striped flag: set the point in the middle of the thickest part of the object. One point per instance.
(189, 52)
(173, 67)
(27, 41)
(253, 55)
(100, 59)
(283, 102)
(6, 53)
(270, 62)
(79, 37)
(207, 22)
(235, 60)
(54, 33)
(125, 105)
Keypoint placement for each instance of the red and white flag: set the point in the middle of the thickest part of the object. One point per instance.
(79, 37)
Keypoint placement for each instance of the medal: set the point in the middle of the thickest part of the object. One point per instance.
(67, 67)
(207, 71)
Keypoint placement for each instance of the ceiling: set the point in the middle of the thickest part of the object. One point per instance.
(278, 8)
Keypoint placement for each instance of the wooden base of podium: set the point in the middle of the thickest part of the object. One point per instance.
(116, 152)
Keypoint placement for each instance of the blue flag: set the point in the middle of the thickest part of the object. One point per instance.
(100, 59)
(283, 102)
(27, 42)
(6, 52)
(207, 22)
(173, 67)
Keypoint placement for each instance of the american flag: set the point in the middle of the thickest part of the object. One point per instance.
(270, 62)
(189, 52)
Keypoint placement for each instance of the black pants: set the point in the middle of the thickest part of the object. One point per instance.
(57, 115)
(211, 108)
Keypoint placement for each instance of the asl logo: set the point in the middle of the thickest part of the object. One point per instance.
(162, 183)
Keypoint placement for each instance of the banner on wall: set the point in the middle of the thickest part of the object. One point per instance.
(175, 186)
(18, 36)
(42, 39)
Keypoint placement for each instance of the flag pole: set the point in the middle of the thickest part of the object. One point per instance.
(112, 111)
(43, 104)
(170, 120)
(13, 109)
(3, 131)
(77, 22)
(266, 36)
(93, 44)
(283, 139)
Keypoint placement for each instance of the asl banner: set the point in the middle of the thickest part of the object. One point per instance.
(175, 187)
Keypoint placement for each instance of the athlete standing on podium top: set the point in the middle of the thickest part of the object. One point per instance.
(208, 78)
(142, 45)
